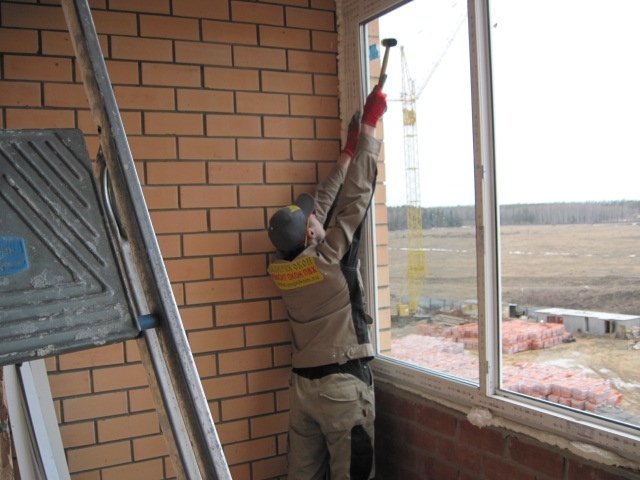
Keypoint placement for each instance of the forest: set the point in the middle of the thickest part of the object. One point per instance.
(622, 211)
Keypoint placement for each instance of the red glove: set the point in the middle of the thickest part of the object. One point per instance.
(374, 107)
(353, 132)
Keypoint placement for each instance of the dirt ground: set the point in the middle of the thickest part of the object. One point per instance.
(588, 267)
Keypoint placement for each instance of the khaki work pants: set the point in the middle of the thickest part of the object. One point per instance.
(331, 428)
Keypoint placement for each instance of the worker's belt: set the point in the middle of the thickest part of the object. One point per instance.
(358, 368)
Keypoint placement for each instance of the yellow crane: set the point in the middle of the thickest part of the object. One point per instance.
(416, 257)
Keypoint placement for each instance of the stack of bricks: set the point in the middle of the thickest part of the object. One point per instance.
(231, 110)
(517, 335)
(570, 387)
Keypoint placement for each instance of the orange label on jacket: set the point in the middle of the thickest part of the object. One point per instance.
(301, 272)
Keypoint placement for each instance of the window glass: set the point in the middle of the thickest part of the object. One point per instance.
(425, 214)
(566, 101)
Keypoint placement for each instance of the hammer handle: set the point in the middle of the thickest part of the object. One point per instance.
(383, 70)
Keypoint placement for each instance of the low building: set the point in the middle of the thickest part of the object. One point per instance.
(597, 323)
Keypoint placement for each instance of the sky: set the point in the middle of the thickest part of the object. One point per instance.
(566, 100)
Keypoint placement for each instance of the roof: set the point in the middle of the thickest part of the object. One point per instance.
(588, 313)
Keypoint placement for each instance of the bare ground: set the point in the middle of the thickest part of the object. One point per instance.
(588, 267)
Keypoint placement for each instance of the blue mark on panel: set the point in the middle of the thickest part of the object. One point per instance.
(374, 53)
(13, 256)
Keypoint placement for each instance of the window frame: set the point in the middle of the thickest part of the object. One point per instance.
(485, 404)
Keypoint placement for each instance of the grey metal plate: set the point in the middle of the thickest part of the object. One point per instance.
(60, 285)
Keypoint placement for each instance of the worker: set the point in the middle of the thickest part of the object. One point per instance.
(315, 268)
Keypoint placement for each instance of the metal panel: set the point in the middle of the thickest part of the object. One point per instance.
(60, 286)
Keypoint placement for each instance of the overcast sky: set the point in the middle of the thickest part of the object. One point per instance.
(566, 79)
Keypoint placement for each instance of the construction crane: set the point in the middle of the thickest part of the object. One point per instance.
(416, 258)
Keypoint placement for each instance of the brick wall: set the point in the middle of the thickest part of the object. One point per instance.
(231, 109)
(420, 440)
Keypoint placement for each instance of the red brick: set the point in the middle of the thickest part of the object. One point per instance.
(144, 98)
(231, 432)
(134, 48)
(39, 118)
(32, 16)
(235, 219)
(251, 12)
(170, 75)
(265, 195)
(207, 148)
(316, 150)
(204, 100)
(114, 23)
(187, 269)
(535, 457)
(169, 27)
(17, 40)
(92, 357)
(263, 149)
(291, 172)
(114, 378)
(211, 244)
(317, 106)
(256, 242)
(325, 84)
(136, 425)
(157, 6)
(242, 313)
(218, 9)
(269, 424)
(231, 79)
(17, 67)
(78, 434)
(239, 266)
(234, 172)
(288, 127)
(287, 82)
(274, 467)
(152, 148)
(576, 471)
(328, 128)
(269, 333)
(175, 173)
(140, 399)
(499, 468)
(179, 221)
(284, 37)
(150, 469)
(213, 291)
(170, 123)
(217, 340)
(324, 41)
(149, 447)
(208, 196)
(245, 360)
(323, 4)
(265, 380)
(94, 406)
(314, 62)
(224, 386)
(203, 53)
(253, 449)
(311, 19)
(65, 95)
(259, 57)
(260, 287)
(160, 197)
(231, 33)
(234, 126)
(98, 456)
(170, 245)
(486, 438)
(247, 406)
(197, 317)
(20, 94)
(68, 384)
(123, 72)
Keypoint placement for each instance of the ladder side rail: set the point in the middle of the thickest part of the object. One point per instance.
(146, 253)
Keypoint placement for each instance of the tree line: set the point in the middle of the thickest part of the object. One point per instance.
(523, 214)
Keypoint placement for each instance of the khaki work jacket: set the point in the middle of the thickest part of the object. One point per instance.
(313, 285)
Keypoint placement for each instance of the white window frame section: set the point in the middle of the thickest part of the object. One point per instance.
(485, 404)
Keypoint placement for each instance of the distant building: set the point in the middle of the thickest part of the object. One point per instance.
(597, 323)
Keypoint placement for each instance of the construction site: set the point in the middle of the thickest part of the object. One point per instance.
(143, 148)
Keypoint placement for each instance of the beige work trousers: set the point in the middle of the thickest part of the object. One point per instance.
(331, 428)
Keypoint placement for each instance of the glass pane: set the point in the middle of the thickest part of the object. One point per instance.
(566, 102)
(425, 208)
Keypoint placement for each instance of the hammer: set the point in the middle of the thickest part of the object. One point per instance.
(387, 43)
